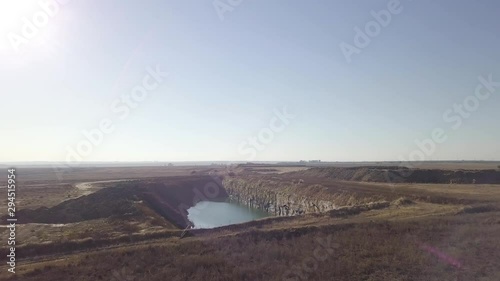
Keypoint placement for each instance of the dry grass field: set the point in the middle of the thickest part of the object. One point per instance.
(410, 231)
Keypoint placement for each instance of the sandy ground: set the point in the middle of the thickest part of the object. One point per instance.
(87, 188)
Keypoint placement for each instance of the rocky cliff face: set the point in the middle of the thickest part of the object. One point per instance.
(277, 198)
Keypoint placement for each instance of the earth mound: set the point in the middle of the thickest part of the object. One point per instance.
(404, 175)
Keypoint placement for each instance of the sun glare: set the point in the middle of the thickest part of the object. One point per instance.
(27, 27)
(11, 14)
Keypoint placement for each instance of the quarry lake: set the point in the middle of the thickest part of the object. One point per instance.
(209, 214)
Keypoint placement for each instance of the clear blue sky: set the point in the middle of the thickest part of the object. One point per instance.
(226, 78)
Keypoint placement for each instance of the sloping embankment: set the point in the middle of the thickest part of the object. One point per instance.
(168, 197)
(404, 175)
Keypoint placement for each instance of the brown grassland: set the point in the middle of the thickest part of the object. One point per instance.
(395, 231)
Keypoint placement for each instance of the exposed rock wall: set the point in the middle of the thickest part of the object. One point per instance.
(276, 198)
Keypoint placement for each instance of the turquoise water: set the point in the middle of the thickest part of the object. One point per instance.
(209, 214)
